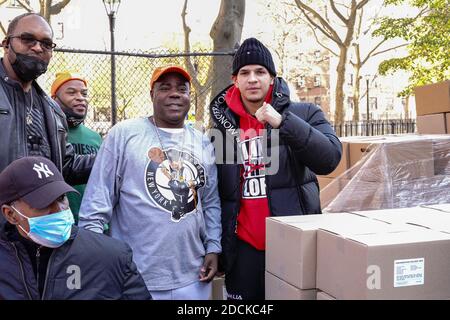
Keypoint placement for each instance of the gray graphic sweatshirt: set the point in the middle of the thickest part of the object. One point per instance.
(161, 200)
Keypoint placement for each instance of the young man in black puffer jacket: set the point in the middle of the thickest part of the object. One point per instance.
(253, 186)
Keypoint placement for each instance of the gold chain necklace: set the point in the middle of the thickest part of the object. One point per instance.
(175, 168)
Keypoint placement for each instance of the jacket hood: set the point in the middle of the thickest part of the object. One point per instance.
(222, 114)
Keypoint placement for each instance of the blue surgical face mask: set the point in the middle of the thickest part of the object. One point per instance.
(51, 230)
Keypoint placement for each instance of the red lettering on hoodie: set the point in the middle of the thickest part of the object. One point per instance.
(254, 207)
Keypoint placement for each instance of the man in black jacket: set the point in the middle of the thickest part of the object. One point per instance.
(32, 123)
(44, 255)
(253, 116)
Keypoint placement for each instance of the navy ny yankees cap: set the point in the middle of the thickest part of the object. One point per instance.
(35, 180)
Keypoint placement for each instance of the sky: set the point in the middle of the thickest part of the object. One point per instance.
(145, 25)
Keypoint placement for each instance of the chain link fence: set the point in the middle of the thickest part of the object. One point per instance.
(133, 73)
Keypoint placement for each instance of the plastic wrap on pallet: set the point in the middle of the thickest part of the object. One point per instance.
(397, 172)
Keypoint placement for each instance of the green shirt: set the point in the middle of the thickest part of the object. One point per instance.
(84, 141)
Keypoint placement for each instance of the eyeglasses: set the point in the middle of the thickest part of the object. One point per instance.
(30, 41)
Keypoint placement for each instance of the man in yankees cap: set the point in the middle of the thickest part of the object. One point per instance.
(44, 255)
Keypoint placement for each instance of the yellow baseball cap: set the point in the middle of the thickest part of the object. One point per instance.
(163, 70)
(63, 77)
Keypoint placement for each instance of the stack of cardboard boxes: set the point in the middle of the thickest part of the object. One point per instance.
(388, 172)
(380, 254)
(433, 108)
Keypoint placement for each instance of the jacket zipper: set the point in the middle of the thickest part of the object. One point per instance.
(60, 159)
(21, 271)
(46, 274)
(25, 136)
(38, 256)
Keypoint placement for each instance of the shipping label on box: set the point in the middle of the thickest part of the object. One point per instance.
(409, 272)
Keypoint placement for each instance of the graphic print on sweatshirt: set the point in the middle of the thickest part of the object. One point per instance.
(254, 184)
(173, 182)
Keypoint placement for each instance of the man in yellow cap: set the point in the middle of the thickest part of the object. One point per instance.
(155, 182)
(70, 91)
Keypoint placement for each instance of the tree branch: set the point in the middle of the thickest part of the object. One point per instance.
(25, 5)
(389, 49)
(337, 12)
(320, 43)
(361, 4)
(2, 28)
(187, 47)
(326, 28)
(56, 8)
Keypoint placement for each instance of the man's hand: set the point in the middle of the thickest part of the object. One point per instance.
(268, 114)
(209, 268)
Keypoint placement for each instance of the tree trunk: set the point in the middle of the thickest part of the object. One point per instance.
(226, 34)
(339, 113)
(356, 91)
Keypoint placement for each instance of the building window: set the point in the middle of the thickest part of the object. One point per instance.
(317, 101)
(301, 82)
(373, 103)
(317, 80)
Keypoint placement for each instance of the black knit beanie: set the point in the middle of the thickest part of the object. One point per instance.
(252, 51)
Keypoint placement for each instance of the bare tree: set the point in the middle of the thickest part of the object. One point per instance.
(320, 21)
(226, 34)
(359, 61)
(47, 8)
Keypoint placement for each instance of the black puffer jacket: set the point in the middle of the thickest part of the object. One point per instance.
(104, 265)
(308, 145)
(75, 167)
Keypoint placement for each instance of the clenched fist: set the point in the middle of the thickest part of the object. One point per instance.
(268, 114)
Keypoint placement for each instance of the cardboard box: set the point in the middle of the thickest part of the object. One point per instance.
(417, 192)
(391, 265)
(333, 188)
(398, 160)
(441, 155)
(324, 296)
(324, 181)
(291, 246)
(343, 164)
(417, 216)
(277, 289)
(370, 196)
(433, 98)
(291, 242)
(442, 207)
(432, 124)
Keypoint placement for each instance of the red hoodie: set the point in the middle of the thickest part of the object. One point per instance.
(251, 220)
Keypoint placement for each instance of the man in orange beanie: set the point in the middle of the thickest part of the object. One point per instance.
(70, 91)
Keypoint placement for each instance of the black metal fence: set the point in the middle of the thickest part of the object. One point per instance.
(375, 128)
